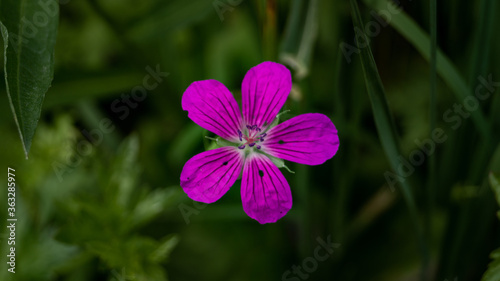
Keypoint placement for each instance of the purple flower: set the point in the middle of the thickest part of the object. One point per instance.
(309, 139)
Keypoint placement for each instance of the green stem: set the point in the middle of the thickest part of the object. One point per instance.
(431, 185)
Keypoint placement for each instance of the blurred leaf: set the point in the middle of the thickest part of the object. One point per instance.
(44, 256)
(117, 205)
(385, 123)
(100, 127)
(184, 143)
(153, 204)
(173, 15)
(495, 185)
(38, 254)
(493, 272)
(235, 46)
(300, 59)
(165, 248)
(123, 179)
(133, 255)
(104, 85)
(409, 29)
(29, 31)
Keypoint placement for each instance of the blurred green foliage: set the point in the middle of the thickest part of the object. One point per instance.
(97, 204)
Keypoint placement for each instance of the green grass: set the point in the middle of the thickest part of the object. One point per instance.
(114, 209)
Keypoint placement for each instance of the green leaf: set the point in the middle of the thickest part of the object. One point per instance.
(29, 31)
(384, 122)
(165, 248)
(124, 178)
(153, 204)
(493, 272)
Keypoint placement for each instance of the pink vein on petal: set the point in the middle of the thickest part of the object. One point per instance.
(264, 90)
(265, 193)
(208, 176)
(210, 105)
(309, 139)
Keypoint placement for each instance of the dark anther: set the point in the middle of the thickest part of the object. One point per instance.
(261, 139)
(281, 142)
(240, 134)
(261, 173)
(254, 127)
(258, 130)
(263, 135)
(249, 127)
(251, 144)
(225, 163)
(241, 146)
(258, 146)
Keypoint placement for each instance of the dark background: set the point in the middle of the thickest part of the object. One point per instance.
(107, 205)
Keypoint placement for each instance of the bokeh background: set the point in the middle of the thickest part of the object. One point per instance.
(99, 197)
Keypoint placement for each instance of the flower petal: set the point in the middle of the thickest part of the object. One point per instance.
(210, 105)
(209, 175)
(265, 193)
(264, 92)
(309, 139)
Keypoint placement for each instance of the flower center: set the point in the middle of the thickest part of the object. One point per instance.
(252, 136)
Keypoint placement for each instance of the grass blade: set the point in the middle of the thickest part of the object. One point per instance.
(482, 42)
(409, 29)
(385, 124)
(479, 67)
(432, 181)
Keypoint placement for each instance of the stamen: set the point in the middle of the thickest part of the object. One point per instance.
(241, 146)
(249, 127)
(258, 146)
(263, 135)
(240, 134)
(251, 144)
(261, 139)
(254, 127)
